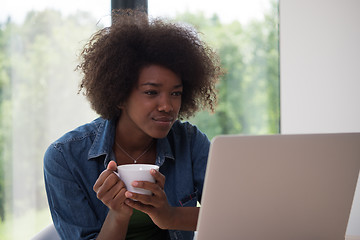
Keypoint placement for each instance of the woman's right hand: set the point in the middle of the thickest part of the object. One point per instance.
(111, 191)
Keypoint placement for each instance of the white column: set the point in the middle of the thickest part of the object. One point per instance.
(320, 72)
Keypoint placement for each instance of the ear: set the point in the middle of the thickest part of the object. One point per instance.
(122, 105)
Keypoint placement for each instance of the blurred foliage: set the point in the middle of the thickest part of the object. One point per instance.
(38, 102)
(248, 96)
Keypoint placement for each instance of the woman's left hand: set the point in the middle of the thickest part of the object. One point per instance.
(155, 205)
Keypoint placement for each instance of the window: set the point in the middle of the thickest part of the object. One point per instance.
(245, 34)
(39, 45)
(39, 102)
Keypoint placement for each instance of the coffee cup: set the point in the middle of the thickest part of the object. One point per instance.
(129, 173)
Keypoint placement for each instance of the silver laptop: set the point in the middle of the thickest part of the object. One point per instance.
(293, 187)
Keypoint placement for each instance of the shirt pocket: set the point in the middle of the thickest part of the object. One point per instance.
(189, 200)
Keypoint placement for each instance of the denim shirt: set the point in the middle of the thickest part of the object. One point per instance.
(73, 163)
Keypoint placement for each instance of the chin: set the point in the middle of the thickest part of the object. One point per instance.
(160, 133)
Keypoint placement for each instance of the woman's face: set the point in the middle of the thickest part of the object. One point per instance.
(154, 103)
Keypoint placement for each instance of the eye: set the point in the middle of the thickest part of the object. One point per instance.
(150, 92)
(176, 94)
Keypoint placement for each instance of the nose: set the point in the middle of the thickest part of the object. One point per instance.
(165, 104)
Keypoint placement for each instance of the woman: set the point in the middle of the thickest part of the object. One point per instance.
(142, 77)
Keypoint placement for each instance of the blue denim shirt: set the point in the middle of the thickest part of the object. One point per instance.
(73, 163)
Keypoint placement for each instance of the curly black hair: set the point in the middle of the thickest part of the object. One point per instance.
(114, 56)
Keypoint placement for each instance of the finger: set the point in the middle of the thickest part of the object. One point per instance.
(117, 198)
(155, 188)
(112, 166)
(120, 195)
(101, 179)
(154, 200)
(144, 199)
(107, 185)
(115, 192)
(139, 206)
(159, 178)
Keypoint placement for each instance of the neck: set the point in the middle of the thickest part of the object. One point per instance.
(133, 158)
(131, 141)
(131, 146)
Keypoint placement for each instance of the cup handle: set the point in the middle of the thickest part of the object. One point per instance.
(117, 174)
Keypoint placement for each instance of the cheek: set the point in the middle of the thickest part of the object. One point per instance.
(178, 105)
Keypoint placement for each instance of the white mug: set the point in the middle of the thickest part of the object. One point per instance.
(136, 172)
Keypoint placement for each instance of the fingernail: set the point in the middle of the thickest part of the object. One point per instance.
(135, 184)
(128, 194)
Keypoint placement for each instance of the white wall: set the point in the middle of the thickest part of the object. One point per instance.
(320, 71)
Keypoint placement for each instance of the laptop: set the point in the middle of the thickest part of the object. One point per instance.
(293, 187)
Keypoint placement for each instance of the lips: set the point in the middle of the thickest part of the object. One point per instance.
(163, 119)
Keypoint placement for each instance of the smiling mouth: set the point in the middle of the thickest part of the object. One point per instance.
(163, 119)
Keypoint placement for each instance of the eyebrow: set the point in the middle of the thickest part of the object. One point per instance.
(158, 85)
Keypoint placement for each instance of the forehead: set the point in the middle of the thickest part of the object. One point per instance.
(158, 75)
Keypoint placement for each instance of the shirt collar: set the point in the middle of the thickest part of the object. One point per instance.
(104, 140)
(164, 151)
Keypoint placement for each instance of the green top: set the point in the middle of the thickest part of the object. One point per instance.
(141, 227)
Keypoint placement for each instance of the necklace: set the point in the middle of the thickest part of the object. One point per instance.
(134, 159)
